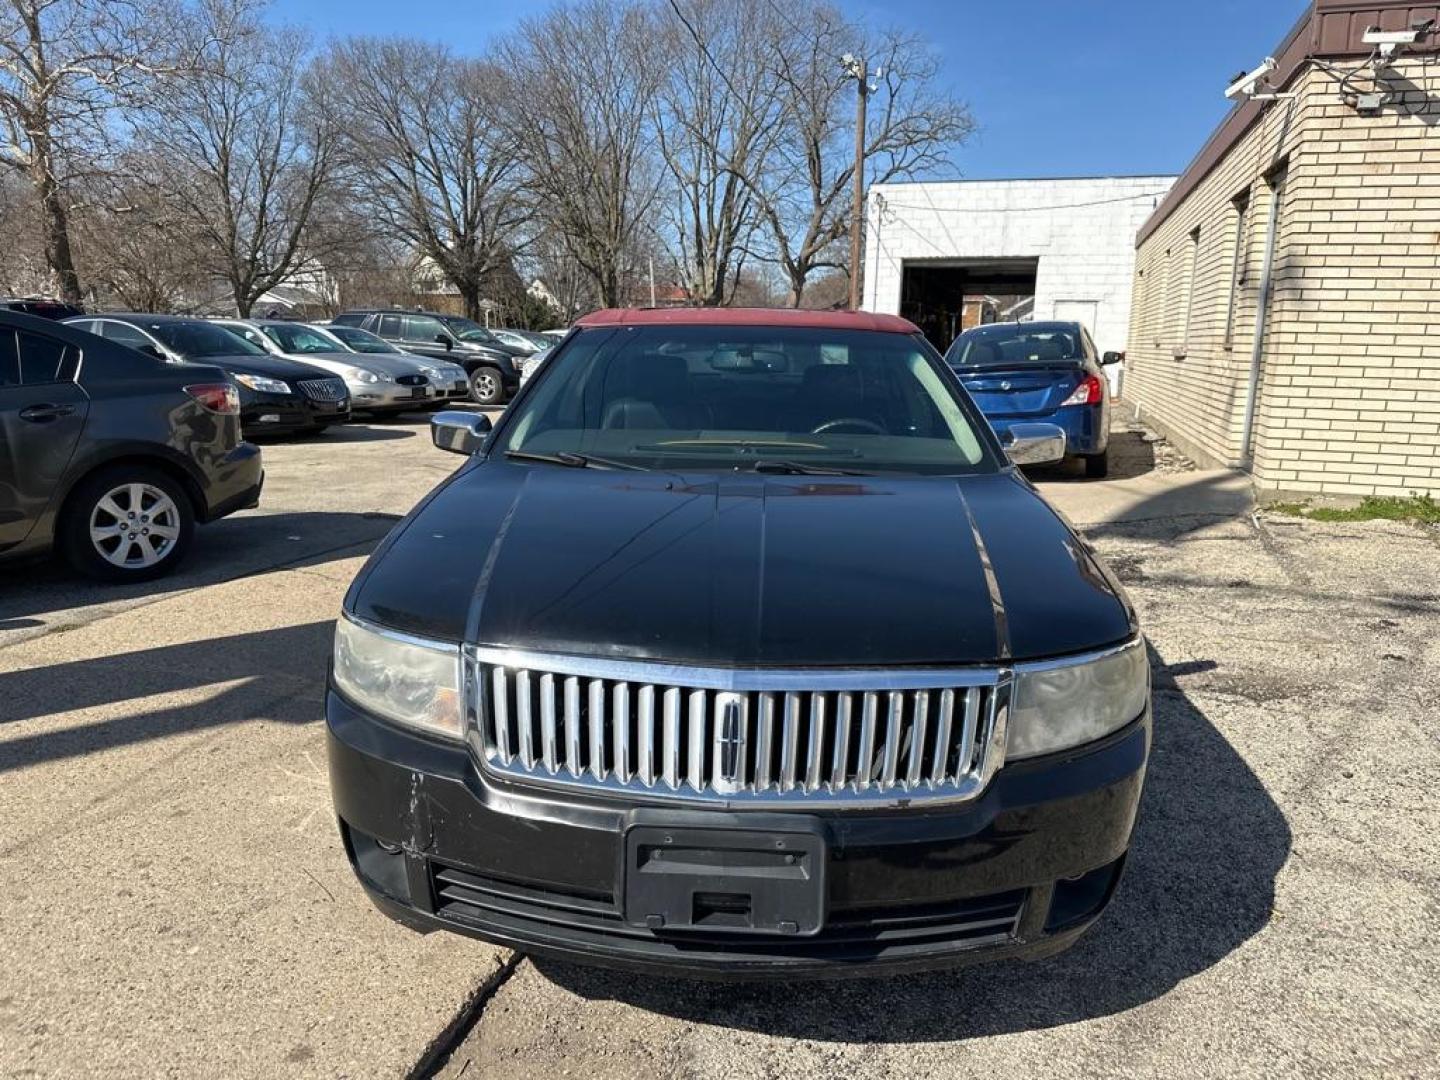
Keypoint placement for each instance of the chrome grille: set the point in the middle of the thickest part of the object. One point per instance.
(884, 735)
(411, 380)
(323, 389)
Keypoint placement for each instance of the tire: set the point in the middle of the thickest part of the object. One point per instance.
(1097, 466)
(92, 534)
(486, 387)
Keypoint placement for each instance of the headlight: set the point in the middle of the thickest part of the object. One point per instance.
(401, 678)
(262, 385)
(361, 375)
(1055, 706)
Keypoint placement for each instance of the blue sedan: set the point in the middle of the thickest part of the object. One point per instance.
(1048, 372)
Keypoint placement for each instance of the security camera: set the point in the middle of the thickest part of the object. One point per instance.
(1376, 36)
(1244, 85)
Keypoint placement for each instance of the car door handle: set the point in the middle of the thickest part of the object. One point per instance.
(41, 414)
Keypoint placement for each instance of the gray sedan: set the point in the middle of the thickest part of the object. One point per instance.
(377, 384)
(450, 382)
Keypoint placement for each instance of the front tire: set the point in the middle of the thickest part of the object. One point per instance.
(486, 387)
(1097, 466)
(126, 523)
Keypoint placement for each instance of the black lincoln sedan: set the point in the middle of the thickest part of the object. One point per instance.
(277, 396)
(740, 648)
(110, 456)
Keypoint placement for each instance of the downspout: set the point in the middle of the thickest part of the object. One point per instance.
(1262, 311)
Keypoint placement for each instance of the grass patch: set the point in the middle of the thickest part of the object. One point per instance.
(1421, 508)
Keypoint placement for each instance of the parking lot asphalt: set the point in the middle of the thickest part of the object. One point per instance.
(176, 901)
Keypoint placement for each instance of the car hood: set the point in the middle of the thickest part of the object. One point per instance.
(275, 367)
(376, 362)
(743, 570)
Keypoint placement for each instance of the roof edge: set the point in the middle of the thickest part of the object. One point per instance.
(1329, 29)
(741, 316)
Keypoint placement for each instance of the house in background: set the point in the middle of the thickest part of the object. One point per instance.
(1061, 249)
(1289, 286)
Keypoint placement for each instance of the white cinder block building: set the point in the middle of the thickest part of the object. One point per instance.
(946, 255)
(1289, 286)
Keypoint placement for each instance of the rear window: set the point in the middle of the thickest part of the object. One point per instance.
(727, 397)
(1032, 343)
(28, 359)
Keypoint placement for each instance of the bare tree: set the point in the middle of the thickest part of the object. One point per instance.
(912, 127)
(64, 66)
(136, 247)
(587, 81)
(719, 116)
(424, 153)
(249, 146)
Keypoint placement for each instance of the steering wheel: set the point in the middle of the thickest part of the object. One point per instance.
(868, 426)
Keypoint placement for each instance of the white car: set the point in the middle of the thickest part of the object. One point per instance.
(449, 381)
(376, 385)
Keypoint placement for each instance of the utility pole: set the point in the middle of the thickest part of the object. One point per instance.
(652, 281)
(855, 69)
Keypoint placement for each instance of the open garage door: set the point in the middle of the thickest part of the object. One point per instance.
(945, 296)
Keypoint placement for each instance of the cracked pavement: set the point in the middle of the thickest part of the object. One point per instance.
(176, 901)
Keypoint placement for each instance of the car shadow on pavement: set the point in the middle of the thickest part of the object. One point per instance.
(1199, 883)
(232, 548)
(275, 674)
(363, 432)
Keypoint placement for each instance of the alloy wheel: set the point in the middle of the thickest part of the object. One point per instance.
(134, 526)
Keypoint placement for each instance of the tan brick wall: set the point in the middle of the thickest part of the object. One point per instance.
(1349, 400)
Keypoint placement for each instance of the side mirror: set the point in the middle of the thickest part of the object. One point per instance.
(1112, 358)
(462, 432)
(444, 339)
(1031, 444)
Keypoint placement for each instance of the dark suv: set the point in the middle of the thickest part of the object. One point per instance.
(739, 647)
(491, 367)
(112, 456)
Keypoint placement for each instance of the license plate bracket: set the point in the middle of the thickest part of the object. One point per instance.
(719, 879)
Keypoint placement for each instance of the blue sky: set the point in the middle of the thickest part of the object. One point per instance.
(1059, 87)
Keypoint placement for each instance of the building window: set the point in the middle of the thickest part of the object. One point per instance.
(1191, 272)
(1240, 260)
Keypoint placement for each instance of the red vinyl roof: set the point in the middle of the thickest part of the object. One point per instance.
(699, 316)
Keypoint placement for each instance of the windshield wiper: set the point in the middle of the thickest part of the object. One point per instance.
(572, 460)
(795, 468)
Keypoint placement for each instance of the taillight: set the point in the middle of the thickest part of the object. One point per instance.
(1089, 392)
(217, 397)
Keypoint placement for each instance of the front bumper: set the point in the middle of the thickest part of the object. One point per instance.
(1021, 871)
(389, 396)
(276, 414)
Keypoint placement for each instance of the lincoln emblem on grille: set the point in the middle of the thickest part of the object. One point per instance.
(729, 745)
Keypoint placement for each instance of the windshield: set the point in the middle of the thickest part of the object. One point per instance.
(293, 338)
(1027, 343)
(738, 397)
(362, 341)
(192, 339)
(469, 330)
